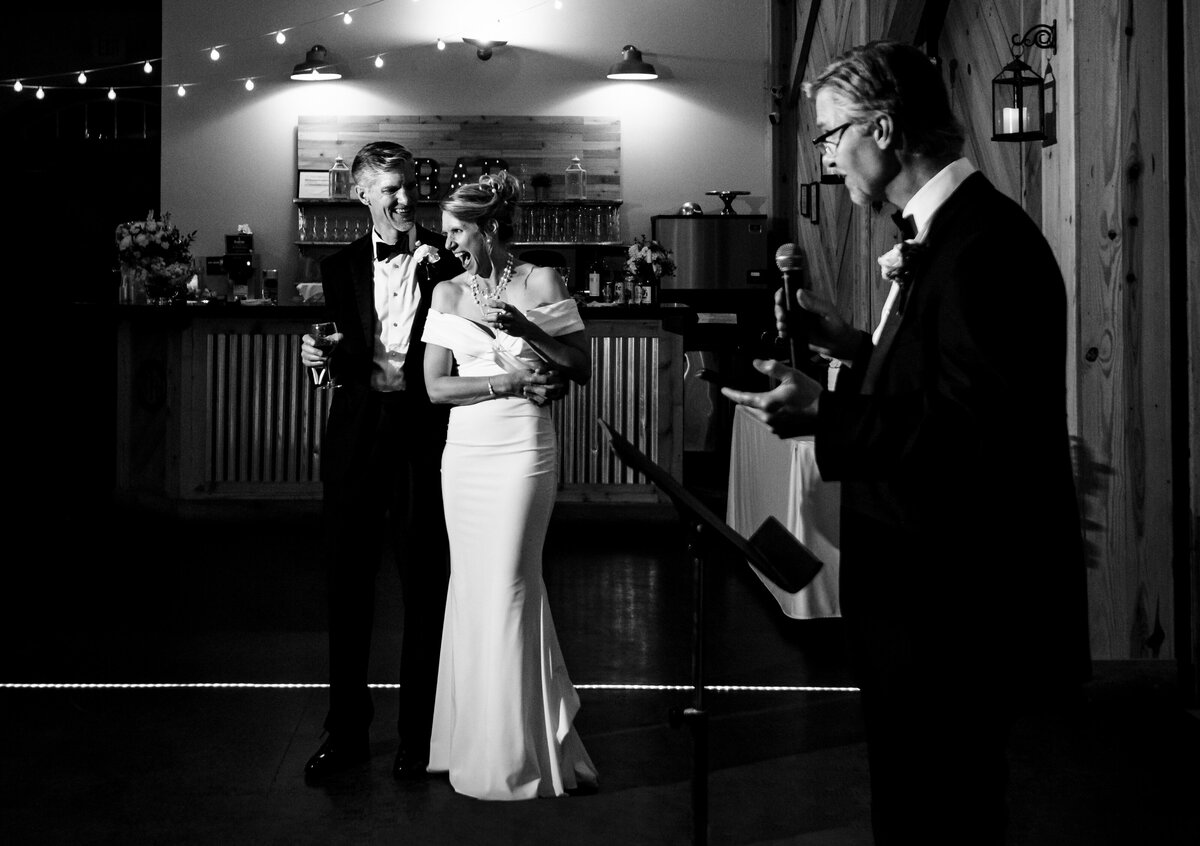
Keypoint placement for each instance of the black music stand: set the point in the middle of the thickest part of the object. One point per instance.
(773, 550)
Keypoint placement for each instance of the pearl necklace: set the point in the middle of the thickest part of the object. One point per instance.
(501, 286)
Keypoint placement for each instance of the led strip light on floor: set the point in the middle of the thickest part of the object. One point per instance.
(717, 688)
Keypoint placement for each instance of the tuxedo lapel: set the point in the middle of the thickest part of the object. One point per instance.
(362, 271)
(879, 355)
(972, 190)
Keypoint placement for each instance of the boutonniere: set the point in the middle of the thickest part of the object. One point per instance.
(426, 253)
(900, 264)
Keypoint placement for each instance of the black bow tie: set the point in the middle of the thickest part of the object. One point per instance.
(385, 252)
(906, 225)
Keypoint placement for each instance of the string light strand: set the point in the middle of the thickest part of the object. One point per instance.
(215, 53)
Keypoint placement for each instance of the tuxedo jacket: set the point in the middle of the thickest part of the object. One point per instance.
(959, 503)
(349, 288)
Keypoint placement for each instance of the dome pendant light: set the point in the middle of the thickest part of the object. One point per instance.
(484, 46)
(632, 66)
(316, 66)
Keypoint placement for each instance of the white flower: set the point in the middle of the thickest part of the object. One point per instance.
(426, 252)
(898, 263)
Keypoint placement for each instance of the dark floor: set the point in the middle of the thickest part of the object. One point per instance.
(134, 597)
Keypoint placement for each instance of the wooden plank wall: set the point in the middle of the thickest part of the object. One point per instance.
(1059, 195)
(1124, 375)
(1100, 195)
(1191, 64)
(974, 47)
(530, 145)
(836, 246)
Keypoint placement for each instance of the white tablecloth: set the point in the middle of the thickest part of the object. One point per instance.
(769, 476)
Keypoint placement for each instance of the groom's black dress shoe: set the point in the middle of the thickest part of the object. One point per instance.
(334, 756)
(410, 765)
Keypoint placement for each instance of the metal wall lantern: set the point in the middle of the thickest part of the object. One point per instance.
(1050, 108)
(1018, 93)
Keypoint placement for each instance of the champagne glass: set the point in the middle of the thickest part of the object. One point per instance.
(323, 376)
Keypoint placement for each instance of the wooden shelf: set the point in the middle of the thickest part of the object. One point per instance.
(324, 201)
(518, 244)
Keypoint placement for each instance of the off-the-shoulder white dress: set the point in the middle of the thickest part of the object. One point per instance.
(504, 712)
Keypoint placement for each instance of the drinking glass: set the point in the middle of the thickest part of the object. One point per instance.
(537, 223)
(322, 377)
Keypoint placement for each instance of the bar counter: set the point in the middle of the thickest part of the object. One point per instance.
(214, 404)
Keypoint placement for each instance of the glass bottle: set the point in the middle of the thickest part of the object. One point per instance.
(339, 180)
(647, 288)
(576, 180)
(595, 274)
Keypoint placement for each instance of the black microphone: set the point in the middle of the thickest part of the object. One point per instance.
(790, 260)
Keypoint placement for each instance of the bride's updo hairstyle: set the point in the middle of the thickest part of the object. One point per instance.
(494, 197)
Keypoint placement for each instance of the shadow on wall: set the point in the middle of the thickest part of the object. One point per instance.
(1091, 479)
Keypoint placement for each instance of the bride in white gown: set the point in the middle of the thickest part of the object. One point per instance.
(505, 707)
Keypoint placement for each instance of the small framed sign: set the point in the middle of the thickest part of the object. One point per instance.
(313, 185)
(243, 242)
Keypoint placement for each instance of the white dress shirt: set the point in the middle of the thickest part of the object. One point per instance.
(921, 208)
(396, 297)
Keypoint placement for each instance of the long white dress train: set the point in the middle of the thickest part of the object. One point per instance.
(504, 711)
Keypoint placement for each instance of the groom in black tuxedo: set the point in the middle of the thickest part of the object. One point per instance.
(962, 575)
(381, 462)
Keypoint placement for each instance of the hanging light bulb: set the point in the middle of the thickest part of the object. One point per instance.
(147, 68)
(41, 95)
(379, 61)
(346, 19)
(280, 37)
(82, 78)
(558, 4)
(249, 84)
(215, 54)
(112, 93)
(441, 44)
(180, 90)
(17, 86)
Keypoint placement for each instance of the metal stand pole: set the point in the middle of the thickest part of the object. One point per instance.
(695, 717)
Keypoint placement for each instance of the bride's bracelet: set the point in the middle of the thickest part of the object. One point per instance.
(491, 390)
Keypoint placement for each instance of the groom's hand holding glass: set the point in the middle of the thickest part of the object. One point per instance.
(317, 352)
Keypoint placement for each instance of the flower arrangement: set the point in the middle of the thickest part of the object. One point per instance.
(155, 245)
(154, 253)
(645, 266)
(646, 255)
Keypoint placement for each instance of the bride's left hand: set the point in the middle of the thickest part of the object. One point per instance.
(507, 318)
(546, 384)
(539, 385)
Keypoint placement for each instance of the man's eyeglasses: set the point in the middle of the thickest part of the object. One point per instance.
(825, 143)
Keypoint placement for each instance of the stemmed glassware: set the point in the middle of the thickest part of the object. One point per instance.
(323, 376)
